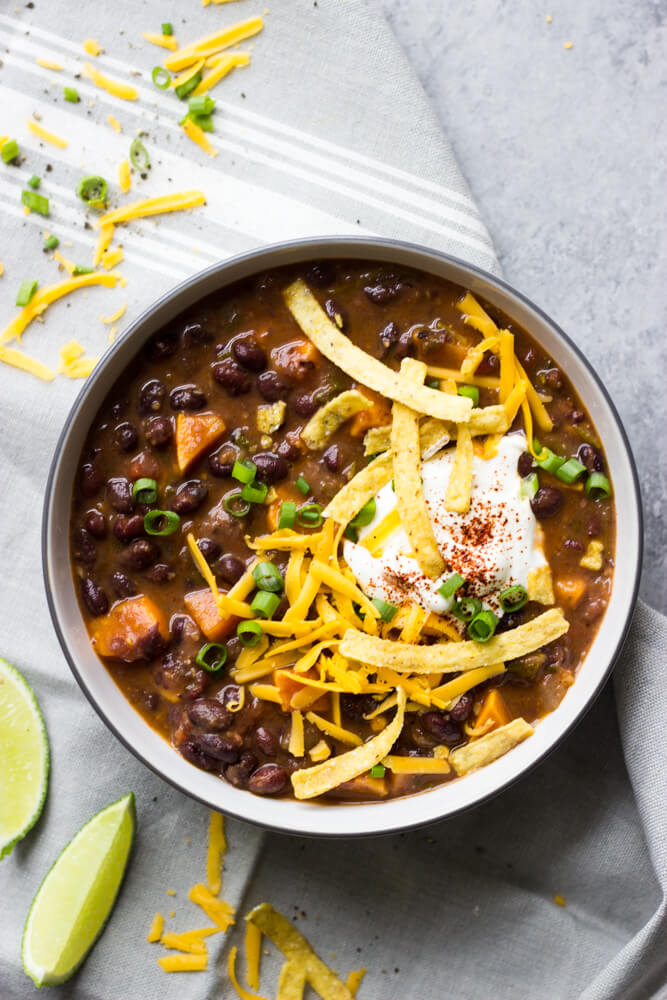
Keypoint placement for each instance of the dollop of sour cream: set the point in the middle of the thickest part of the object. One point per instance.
(494, 545)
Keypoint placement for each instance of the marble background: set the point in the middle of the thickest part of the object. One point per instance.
(566, 154)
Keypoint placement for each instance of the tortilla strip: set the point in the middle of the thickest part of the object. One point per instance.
(448, 657)
(540, 586)
(292, 981)
(332, 415)
(459, 487)
(484, 420)
(296, 950)
(488, 748)
(317, 780)
(410, 502)
(365, 369)
(352, 497)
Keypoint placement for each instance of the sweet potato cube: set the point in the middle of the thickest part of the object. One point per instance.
(570, 589)
(134, 629)
(195, 434)
(494, 707)
(378, 414)
(202, 607)
(362, 788)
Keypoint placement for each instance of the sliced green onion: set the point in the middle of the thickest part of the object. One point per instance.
(204, 122)
(287, 514)
(310, 516)
(167, 28)
(236, 505)
(144, 491)
(35, 202)
(139, 156)
(451, 585)
(71, 95)
(549, 461)
(466, 609)
(93, 190)
(186, 88)
(393, 486)
(51, 242)
(482, 627)
(471, 391)
(377, 771)
(160, 77)
(267, 576)
(264, 604)
(387, 610)
(432, 383)
(161, 522)
(351, 533)
(10, 150)
(201, 105)
(82, 269)
(598, 486)
(530, 484)
(255, 492)
(302, 486)
(34, 182)
(212, 657)
(513, 598)
(250, 633)
(365, 515)
(570, 470)
(26, 291)
(244, 471)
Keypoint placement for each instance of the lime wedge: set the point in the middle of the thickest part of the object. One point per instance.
(24, 758)
(75, 899)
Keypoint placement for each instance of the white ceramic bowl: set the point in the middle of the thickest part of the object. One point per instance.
(321, 818)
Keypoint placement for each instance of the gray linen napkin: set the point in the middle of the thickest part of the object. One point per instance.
(465, 908)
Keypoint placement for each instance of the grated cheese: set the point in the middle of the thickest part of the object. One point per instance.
(48, 64)
(231, 972)
(68, 265)
(191, 942)
(112, 257)
(198, 136)
(265, 692)
(176, 202)
(224, 66)
(212, 44)
(43, 298)
(183, 963)
(105, 238)
(42, 133)
(17, 359)
(178, 81)
(115, 316)
(115, 124)
(164, 41)
(115, 87)
(92, 47)
(220, 912)
(417, 765)
(331, 729)
(156, 928)
(354, 981)
(320, 751)
(217, 846)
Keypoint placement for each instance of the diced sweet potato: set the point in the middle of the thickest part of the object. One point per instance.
(201, 605)
(361, 789)
(287, 687)
(378, 414)
(134, 629)
(570, 589)
(195, 434)
(493, 707)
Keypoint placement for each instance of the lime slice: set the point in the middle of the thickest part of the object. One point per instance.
(24, 758)
(75, 899)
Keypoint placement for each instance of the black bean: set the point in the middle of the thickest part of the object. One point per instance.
(122, 584)
(575, 416)
(383, 292)
(230, 568)
(553, 379)
(209, 548)
(355, 706)
(489, 364)
(332, 458)
(230, 694)
(305, 405)
(223, 748)
(272, 387)
(269, 779)
(150, 700)
(445, 730)
(164, 345)
(85, 549)
(127, 528)
(271, 468)
(94, 597)
(187, 397)
(590, 457)
(195, 755)
(209, 714)
(266, 741)
(525, 465)
(139, 554)
(406, 346)
(547, 501)
(288, 450)
(151, 396)
(96, 523)
(196, 333)
(159, 430)
(462, 709)
(232, 377)
(593, 609)
(189, 496)
(594, 527)
(321, 274)
(529, 358)
(238, 774)
(248, 353)
(160, 573)
(90, 480)
(119, 495)
(389, 336)
(126, 436)
(573, 544)
(336, 313)
(177, 627)
(221, 462)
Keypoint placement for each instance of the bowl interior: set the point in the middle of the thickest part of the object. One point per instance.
(352, 818)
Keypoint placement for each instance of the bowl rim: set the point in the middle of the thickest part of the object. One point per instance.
(338, 246)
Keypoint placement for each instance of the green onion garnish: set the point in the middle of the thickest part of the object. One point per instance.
(267, 576)
(471, 391)
(549, 461)
(93, 190)
(302, 486)
(34, 182)
(189, 85)
(202, 104)
(35, 202)
(570, 470)
(387, 610)
(161, 522)
(244, 470)
(236, 505)
(287, 514)
(513, 598)
(432, 383)
(530, 484)
(377, 771)
(82, 269)
(310, 516)
(212, 657)
(466, 609)
(204, 122)
(26, 291)
(255, 492)
(161, 77)
(71, 95)
(10, 150)
(51, 242)
(250, 633)
(351, 533)
(451, 585)
(264, 604)
(144, 491)
(365, 515)
(139, 156)
(482, 627)
(167, 28)
(598, 486)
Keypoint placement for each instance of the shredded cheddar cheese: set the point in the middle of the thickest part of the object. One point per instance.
(176, 202)
(92, 47)
(46, 136)
(223, 67)
(198, 136)
(44, 297)
(105, 238)
(183, 963)
(17, 359)
(217, 910)
(156, 928)
(217, 846)
(212, 44)
(115, 124)
(164, 41)
(115, 316)
(110, 258)
(296, 744)
(48, 64)
(115, 87)
(253, 948)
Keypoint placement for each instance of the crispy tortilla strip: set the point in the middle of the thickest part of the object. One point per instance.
(332, 415)
(296, 950)
(459, 487)
(540, 586)
(452, 656)
(435, 434)
(410, 501)
(292, 982)
(322, 778)
(360, 489)
(365, 369)
(488, 748)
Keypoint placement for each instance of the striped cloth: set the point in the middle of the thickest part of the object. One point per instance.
(327, 132)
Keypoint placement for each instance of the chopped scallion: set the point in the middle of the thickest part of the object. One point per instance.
(570, 471)
(482, 626)
(71, 95)
(244, 471)
(82, 269)
(167, 28)
(144, 490)
(186, 88)
(530, 484)
(264, 604)
(161, 522)
(34, 182)
(549, 461)
(161, 77)
(513, 598)
(267, 576)
(25, 293)
(250, 633)
(432, 383)
(139, 156)
(451, 585)
(302, 486)
(10, 150)
(377, 771)
(93, 191)
(598, 486)
(365, 515)
(310, 516)
(255, 492)
(236, 505)
(51, 242)
(212, 657)
(466, 609)
(287, 514)
(35, 202)
(471, 391)
(202, 104)
(387, 610)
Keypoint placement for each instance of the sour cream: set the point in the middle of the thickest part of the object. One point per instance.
(493, 546)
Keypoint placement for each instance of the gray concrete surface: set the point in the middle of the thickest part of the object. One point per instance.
(565, 151)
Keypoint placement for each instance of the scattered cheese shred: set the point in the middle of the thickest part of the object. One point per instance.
(212, 44)
(183, 963)
(156, 928)
(115, 124)
(105, 238)
(73, 364)
(176, 202)
(68, 265)
(44, 297)
(92, 47)
(178, 81)
(42, 133)
(48, 64)
(115, 316)
(320, 751)
(220, 912)
(231, 971)
(191, 942)
(253, 950)
(112, 257)
(164, 41)
(115, 87)
(224, 66)
(354, 980)
(331, 729)
(17, 359)
(198, 136)
(217, 846)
